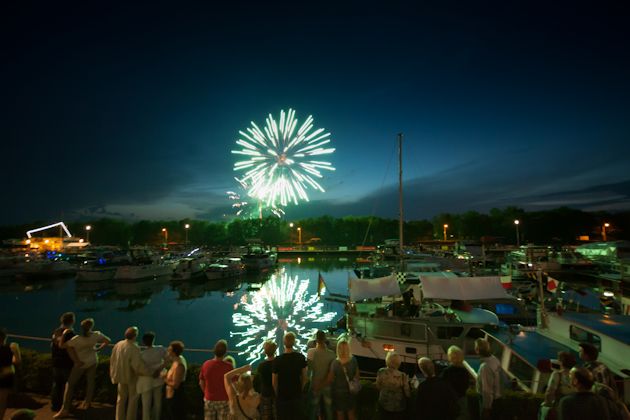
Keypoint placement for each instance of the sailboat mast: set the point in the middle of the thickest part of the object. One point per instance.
(400, 195)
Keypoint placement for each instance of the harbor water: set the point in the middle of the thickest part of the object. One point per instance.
(245, 311)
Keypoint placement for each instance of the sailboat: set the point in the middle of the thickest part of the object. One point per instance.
(395, 313)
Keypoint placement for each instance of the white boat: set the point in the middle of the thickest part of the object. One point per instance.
(225, 268)
(609, 333)
(257, 260)
(96, 273)
(102, 266)
(189, 267)
(416, 331)
(145, 264)
(46, 268)
(143, 271)
(11, 265)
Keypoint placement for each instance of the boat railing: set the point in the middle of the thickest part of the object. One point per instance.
(527, 376)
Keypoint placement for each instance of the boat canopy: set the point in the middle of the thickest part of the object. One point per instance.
(463, 288)
(373, 288)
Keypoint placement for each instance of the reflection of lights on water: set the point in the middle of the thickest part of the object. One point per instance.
(282, 304)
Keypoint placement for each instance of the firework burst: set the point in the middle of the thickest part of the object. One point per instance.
(282, 304)
(282, 161)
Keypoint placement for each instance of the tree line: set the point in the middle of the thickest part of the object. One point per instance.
(561, 225)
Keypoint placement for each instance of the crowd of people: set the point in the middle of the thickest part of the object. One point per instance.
(322, 384)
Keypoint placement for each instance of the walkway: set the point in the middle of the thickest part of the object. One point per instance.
(41, 406)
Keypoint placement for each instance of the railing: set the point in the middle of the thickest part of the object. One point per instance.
(516, 366)
(44, 339)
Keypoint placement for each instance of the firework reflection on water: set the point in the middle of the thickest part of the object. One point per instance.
(282, 304)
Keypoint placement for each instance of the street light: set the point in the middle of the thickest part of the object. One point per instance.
(165, 236)
(606, 225)
(88, 228)
(291, 233)
(518, 238)
(299, 229)
(186, 226)
(445, 227)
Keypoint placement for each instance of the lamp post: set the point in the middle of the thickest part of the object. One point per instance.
(165, 236)
(186, 227)
(291, 233)
(88, 228)
(445, 227)
(606, 225)
(299, 229)
(518, 238)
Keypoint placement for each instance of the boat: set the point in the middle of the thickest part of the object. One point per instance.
(413, 331)
(190, 267)
(224, 268)
(50, 266)
(609, 333)
(257, 259)
(96, 273)
(11, 264)
(145, 264)
(102, 265)
(143, 271)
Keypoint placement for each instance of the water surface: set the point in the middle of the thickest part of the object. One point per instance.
(244, 311)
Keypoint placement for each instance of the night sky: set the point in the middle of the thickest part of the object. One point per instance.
(132, 111)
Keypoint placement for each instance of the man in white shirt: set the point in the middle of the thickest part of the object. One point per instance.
(125, 365)
(488, 377)
(149, 387)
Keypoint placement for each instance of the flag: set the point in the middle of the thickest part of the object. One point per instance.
(552, 284)
(321, 285)
(400, 276)
(506, 282)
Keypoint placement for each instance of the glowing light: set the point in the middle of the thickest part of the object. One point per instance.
(278, 159)
(88, 227)
(29, 233)
(282, 304)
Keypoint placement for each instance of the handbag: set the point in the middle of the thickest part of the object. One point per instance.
(354, 385)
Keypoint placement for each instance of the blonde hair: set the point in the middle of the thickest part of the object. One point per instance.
(392, 360)
(230, 359)
(343, 349)
(270, 347)
(244, 383)
(455, 355)
(289, 340)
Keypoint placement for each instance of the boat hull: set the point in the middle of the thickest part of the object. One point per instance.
(96, 274)
(142, 272)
